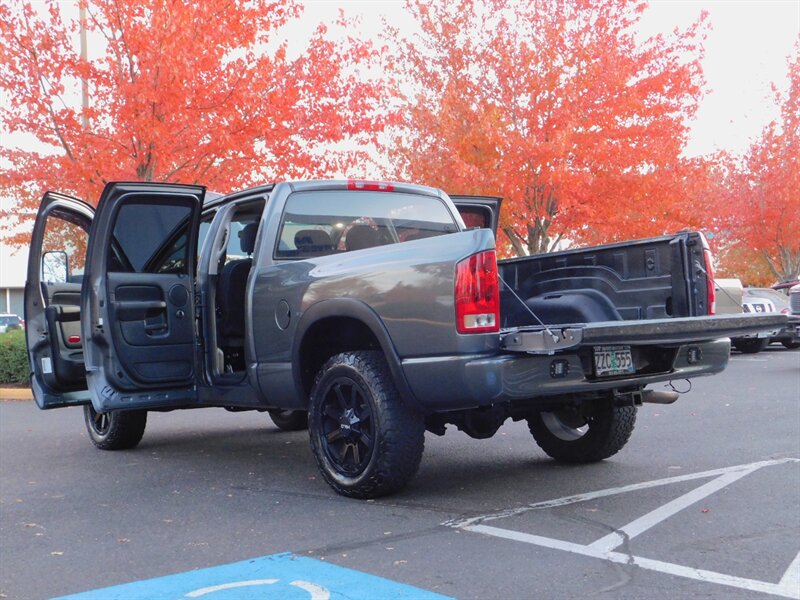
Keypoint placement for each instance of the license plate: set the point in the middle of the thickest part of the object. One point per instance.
(613, 360)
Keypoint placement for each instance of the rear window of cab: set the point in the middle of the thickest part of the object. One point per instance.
(328, 222)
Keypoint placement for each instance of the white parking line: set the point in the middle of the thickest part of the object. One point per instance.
(791, 579)
(513, 512)
(653, 518)
(788, 586)
(753, 585)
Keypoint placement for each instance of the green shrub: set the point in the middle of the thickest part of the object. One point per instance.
(13, 357)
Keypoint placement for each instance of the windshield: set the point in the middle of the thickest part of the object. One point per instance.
(9, 320)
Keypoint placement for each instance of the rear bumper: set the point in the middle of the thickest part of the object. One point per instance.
(459, 382)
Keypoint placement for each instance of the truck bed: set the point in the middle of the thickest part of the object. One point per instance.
(656, 278)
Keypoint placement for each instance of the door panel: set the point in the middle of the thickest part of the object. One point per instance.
(56, 265)
(153, 326)
(141, 325)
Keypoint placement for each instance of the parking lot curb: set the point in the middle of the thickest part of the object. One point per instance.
(16, 394)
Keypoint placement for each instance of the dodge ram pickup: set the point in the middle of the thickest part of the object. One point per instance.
(368, 312)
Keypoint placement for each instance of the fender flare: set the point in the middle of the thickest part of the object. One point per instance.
(359, 311)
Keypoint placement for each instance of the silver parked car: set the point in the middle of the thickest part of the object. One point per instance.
(765, 300)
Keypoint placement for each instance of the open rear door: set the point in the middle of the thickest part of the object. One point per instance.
(479, 211)
(138, 305)
(56, 264)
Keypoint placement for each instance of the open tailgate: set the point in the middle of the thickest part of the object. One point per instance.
(538, 339)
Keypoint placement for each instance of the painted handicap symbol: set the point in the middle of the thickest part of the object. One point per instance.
(283, 576)
(316, 592)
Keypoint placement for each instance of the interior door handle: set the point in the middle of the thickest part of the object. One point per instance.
(154, 327)
(139, 310)
(65, 313)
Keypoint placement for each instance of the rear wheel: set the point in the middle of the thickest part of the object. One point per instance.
(289, 420)
(751, 345)
(587, 433)
(366, 442)
(790, 345)
(115, 430)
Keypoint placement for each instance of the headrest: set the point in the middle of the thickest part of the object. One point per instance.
(247, 238)
(360, 237)
(313, 240)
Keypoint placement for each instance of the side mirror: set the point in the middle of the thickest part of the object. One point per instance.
(55, 267)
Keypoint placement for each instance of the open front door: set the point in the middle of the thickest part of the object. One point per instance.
(138, 305)
(56, 264)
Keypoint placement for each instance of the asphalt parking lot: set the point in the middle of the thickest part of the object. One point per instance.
(703, 502)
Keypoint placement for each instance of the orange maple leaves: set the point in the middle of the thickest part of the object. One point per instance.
(205, 92)
(558, 107)
(758, 200)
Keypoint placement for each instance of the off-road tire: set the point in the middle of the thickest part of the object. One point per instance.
(609, 429)
(116, 429)
(355, 398)
(289, 420)
(751, 345)
(790, 345)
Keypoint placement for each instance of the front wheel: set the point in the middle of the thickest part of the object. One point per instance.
(751, 345)
(590, 432)
(289, 420)
(115, 429)
(366, 442)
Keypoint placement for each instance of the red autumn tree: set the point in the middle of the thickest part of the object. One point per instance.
(759, 199)
(207, 92)
(560, 108)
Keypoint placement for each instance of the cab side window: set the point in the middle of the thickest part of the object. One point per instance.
(151, 238)
(64, 249)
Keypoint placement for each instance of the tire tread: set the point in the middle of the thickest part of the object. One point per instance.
(125, 432)
(401, 439)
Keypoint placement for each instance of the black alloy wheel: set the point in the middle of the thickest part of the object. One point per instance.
(114, 430)
(101, 422)
(366, 441)
(348, 431)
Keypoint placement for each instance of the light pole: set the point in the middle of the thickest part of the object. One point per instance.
(82, 4)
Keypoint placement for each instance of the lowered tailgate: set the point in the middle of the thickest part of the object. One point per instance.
(538, 339)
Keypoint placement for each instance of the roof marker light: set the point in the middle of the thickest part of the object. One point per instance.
(369, 186)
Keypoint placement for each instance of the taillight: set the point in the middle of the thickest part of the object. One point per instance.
(712, 294)
(478, 294)
(784, 311)
(369, 186)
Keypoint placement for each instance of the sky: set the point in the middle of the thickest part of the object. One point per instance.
(746, 52)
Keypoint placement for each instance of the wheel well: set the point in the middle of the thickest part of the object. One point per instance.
(331, 336)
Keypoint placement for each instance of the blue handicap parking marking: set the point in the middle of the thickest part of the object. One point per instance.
(279, 577)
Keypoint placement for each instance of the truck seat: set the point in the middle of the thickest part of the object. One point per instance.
(232, 288)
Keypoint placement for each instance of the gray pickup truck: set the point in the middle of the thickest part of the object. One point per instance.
(365, 311)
